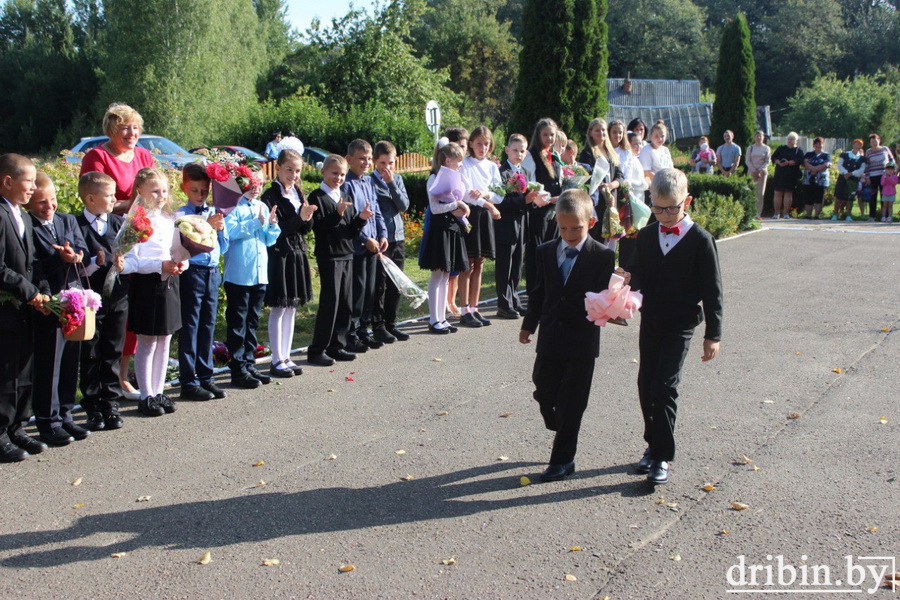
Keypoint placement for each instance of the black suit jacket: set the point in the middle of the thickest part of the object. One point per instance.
(540, 227)
(675, 284)
(559, 307)
(334, 233)
(510, 229)
(292, 238)
(58, 273)
(17, 271)
(94, 241)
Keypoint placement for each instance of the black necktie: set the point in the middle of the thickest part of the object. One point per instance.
(52, 229)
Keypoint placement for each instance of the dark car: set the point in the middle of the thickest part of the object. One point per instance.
(239, 150)
(311, 156)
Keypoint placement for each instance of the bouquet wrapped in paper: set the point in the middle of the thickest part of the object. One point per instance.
(231, 180)
(611, 225)
(197, 236)
(575, 177)
(136, 229)
(405, 285)
(614, 304)
(448, 186)
(515, 184)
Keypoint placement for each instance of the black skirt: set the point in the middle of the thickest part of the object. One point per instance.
(154, 304)
(480, 239)
(443, 246)
(290, 282)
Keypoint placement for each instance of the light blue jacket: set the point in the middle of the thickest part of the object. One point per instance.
(247, 260)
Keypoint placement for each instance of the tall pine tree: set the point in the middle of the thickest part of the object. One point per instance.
(735, 105)
(589, 64)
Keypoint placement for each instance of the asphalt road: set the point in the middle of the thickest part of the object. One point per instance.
(801, 302)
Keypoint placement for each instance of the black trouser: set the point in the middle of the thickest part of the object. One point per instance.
(387, 296)
(57, 362)
(562, 386)
(508, 273)
(101, 357)
(662, 356)
(364, 266)
(875, 184)
(242, 318)
(15, 382)
(626, 251)
(335, 296)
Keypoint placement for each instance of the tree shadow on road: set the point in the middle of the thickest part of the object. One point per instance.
(261, 516)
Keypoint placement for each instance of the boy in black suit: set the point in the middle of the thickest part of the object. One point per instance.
(336, 226)
(676, 267)
(58, 250)
(101, 356)
(17, 175)
(568, 344)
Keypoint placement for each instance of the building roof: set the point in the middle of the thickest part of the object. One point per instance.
(653, 92)
(683, 121)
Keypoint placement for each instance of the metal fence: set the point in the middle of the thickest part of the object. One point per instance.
(830, 146)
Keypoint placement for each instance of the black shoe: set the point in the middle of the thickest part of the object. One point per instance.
(371, 342)
(341, 355)
(281, 370)
(450, 327)
(357, 347)
(111, 417)
(263, 379)
(643, 466)
(196, 393)
(167, 404)
(28, 444)
(296, 369)
(76, 431)
(521, 310)
(95, 421)
(659, 472)
(469, 320)
(438, 330)
(217, 392)
(384, 336)
(483, 320)
(503, 313)
(398, 335)
(321, 360)
(244, 381)
(56, 437)
(10, 453)
(150, 407)
(558, 472)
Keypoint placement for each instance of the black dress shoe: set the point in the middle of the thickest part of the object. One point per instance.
(341, 355)
(558, 472)
(28, 444)
(196, 393)
(56, 437)
(480, 317)
(111, 417)
(450, 327)
(438, 330)
(512, 315)
(521, 310)
(383, 336)
(398, 335)
(10, 453)
(263, 379)
(469, 320)
(321, 360)
(297, 369)
(643, 466)
(168, 405)
(150, 407)
(281, 370)
(356, 346)
(659, 472)
(244, 381)
(95, 421)
(76, 431)
(371, 342)
(217, 392)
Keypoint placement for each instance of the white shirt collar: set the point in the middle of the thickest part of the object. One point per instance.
(333, 194)
(91, 217)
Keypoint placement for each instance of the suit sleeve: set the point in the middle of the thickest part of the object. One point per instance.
(12, 281)
(398, 194)
(634, 267)
(536, 297)
(712, 294)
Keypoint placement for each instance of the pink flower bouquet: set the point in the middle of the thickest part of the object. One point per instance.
(614, 304)
(76, 310)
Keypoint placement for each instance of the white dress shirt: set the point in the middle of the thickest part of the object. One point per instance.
(17, 217)
(667, 241)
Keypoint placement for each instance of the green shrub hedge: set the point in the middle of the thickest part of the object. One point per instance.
(738, 189)
(719, 215)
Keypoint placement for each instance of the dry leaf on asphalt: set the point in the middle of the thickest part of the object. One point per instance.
(794, 416)
(797, 353)
(331, 390)
(723, 532)
(271, 562)
(443, 413)
(205, 559)
(436, 359)
(331, 457)
(399, 451)
(745, 460)
(885, 328)
(768, 402)
(143, 499)
(77, 482)
(346, 568)
(258, 485)
(570, 577)
(675, 557)
(661, 501)
(407, 478)
(883, 420)
(505, 415)
(837, 370)
(259, 464)
(575, 549)
(524, 480)
(79, 505)
(502, 458)
(708, 487)
(449, 561)
(118, 554)
(872, 529)
(739, 506)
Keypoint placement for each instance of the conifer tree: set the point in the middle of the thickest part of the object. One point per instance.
(589, 65)
(735, 105)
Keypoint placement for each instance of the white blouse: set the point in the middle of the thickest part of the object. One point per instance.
(149, 256)
(481, 175)
(655, 160)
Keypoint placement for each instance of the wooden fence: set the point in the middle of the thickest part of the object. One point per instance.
(407, 163)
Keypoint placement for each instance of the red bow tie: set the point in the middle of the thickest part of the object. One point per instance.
(674, 229)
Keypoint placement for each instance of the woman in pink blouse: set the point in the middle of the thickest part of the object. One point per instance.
(120, 158)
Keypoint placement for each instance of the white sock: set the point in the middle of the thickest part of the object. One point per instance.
(287, 332)
(275, 343)
(160, 364)
(143, 364)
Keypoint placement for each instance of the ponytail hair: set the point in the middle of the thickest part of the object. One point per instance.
(442, 151)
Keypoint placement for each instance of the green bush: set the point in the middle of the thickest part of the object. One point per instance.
(720, 215)
(739, 188)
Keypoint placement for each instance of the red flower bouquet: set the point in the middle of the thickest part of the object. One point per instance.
(514, 184)
(232, 180)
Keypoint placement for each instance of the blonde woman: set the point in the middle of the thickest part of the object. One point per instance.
(759, 156)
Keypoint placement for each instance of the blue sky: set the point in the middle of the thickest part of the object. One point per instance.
(301, 12)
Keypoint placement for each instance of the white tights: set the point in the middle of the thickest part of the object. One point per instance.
(437, 296)
(151, 360)
(281, 332)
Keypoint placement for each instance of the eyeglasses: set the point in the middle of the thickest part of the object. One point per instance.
(672, 210)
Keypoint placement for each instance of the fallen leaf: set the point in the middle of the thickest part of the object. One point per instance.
(43, 460)
(882, 420)
(436, 359)
(524, 480)
(77, 482)
(708, 487)
(755, 468)
(675, 557)
(408, 477)
(449, 561)
(634, 360)
(348, 378)
(353, 372)
(423, 430)
(872, 529)
(277, 383)
(258, 485)
(797, 353)
(671, 505)
(723, 532)
(570, 577)
(502, 458)
(739, 506)
(331, 371)
(331, 390)
(768, 402)
(885, 328)
(346, 568)
(205, 559)
(260, 463)
(271, 562)
(837, 370)
(443, 413)
(118, 554)
(399, 451)
(143, 499)
(713, 427)
(79, 505)
(661, 501)
(331, 457)
(794, 416)
(575, 549)
(745, 460)
(505, 415)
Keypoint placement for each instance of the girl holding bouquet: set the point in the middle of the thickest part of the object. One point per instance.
(443, 248)
(541, 216)
(480, 175)
(154, 302)
(290, 282)
(605, 180)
